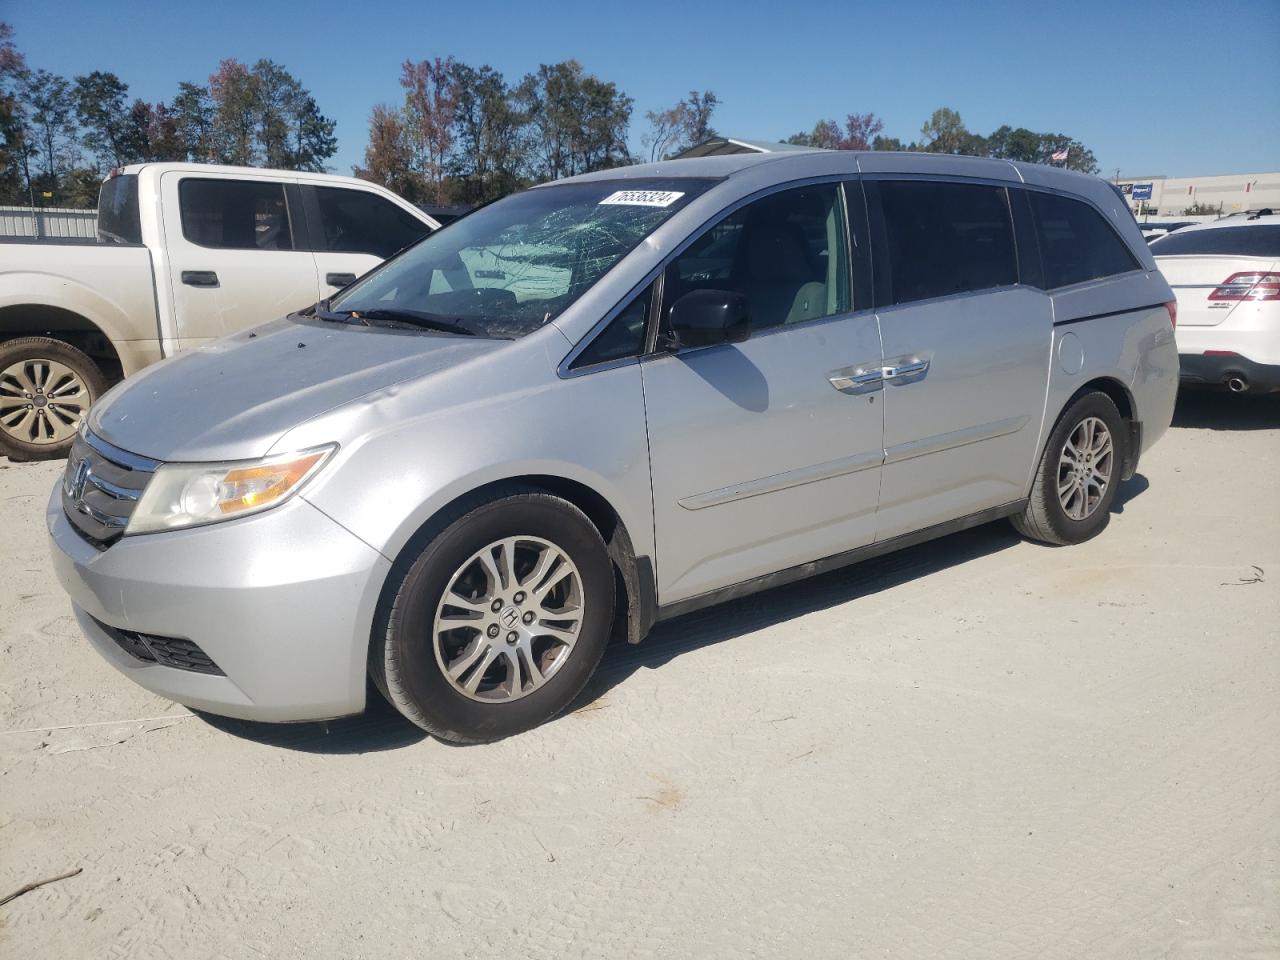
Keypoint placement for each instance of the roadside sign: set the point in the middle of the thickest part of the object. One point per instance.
(1142, 191)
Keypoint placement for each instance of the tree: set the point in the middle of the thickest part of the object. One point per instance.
(857, 133)
(314, 141)
(574, 122)
(192, 111)
(15, 145)
(51, 103)
(945, 132)
(102, 108)
(428, 118)
(486, 159)
(388, 158)
(234, 97)
(262, 115)
(686, 124)
(887, 143)
(1008, 143)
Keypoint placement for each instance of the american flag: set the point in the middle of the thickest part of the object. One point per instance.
(1060, 155)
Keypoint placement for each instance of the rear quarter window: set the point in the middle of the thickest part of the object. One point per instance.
(118, 220)
(1253, 240)
(1076, 243)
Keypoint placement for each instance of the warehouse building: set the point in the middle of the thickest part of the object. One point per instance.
(1177, 196)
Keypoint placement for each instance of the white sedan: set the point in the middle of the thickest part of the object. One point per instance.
(1226, 276)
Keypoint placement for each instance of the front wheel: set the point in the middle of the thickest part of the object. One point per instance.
(46, 389)
(1078, 475)
(499, 621)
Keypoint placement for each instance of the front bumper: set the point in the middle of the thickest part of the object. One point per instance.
(1214, 371)
(282, 602)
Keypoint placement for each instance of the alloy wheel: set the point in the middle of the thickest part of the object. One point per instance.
(41, 401)
(508, 620)
(1085, 467)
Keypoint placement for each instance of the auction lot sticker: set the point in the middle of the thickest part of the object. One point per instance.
(644, 198)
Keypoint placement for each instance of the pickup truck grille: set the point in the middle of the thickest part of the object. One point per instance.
(100, 488)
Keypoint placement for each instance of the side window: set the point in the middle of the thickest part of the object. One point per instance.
(1076, 243)
(235, 214)
(786, 253)
(356, 221)
(946, 238)
(623, 337)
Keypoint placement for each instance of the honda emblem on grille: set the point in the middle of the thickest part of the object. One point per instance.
(78, 481)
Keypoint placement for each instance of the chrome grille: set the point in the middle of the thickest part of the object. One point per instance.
(101, 486)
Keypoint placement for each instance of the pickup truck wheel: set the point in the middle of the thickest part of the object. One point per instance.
(46, 389)
(500, 620)
(1079, 473)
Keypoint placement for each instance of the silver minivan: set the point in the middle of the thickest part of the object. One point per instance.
(605, 402)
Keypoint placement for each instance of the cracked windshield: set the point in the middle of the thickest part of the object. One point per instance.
(509, 268)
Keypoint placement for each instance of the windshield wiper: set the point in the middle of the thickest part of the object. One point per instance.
(414, 318)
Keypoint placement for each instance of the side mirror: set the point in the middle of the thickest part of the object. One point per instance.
(704, 318)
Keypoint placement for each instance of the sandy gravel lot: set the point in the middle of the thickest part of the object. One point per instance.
(977, 748)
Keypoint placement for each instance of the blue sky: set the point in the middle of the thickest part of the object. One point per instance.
(1173, 87)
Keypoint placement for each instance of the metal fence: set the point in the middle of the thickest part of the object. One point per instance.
(61, 223)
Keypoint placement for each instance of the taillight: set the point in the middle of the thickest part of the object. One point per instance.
(1250, 285)
(1172, 307)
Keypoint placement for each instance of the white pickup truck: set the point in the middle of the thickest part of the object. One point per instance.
(185, 253)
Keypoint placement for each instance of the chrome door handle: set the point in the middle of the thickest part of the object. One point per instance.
(906, 369)
(856, 379)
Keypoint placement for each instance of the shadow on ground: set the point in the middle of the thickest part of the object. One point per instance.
(381, 727)
(1216, 410)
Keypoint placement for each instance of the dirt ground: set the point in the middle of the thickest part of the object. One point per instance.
(976, 748)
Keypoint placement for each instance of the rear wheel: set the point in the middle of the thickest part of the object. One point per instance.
(46, 389)
(499, 621)
(1079, 473)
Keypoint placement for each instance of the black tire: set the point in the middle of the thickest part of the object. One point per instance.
(23, 440)
(1045, 518)
(402, 655)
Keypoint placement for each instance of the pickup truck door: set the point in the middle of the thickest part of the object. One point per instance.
(235, 255)
(354, 230)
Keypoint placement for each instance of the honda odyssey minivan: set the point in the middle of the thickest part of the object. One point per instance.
(605, 402)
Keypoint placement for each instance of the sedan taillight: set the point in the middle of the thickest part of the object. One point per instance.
(1250, 285)
(1172, 307)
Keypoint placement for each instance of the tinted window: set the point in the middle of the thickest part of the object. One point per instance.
(785, 253)
(1076, 244)
(118, 210)
(1258, 240)
(510, 267)
(946, 238)
(623, 337)
(235, 214)
(358, 222)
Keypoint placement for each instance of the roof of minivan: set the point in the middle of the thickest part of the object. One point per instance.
(799, 163)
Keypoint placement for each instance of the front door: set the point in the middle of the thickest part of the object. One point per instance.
(966, 353)
(232, 257)
(358, 229)
(766, 454)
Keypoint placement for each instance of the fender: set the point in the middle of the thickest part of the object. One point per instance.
(118, 323)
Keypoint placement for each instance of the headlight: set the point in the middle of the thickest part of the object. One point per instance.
(191, 494)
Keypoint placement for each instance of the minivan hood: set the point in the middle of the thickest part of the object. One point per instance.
(233, 398)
